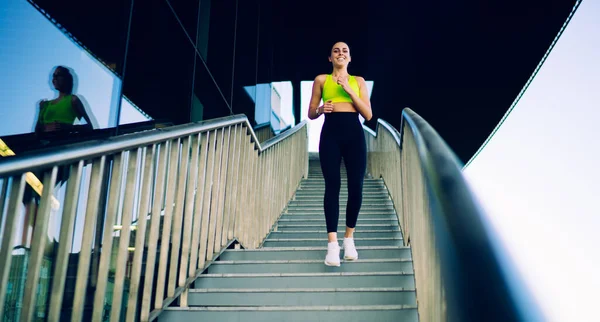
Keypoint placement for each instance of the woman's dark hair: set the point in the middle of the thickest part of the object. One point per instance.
(64, 72)
(331, 48)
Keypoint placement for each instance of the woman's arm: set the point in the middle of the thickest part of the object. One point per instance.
(38, 124)
(362, 103)
(80, 110)
(316, 98)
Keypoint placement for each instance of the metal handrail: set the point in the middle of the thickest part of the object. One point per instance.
(460, 273)
(95, 148)
(192, 191)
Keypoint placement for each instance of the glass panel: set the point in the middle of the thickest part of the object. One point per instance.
(100, 26)
(221, 44)
(36, 91)
(160, 63)
(244, 95)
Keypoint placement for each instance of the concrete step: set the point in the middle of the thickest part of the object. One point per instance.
(320, 215)
(362, 220)
(351, 313)
(305, 198)
(314, 253)
(319, 203)
(366, 211)
(344, 185)
(341, 227)
(302, 296)
(309, 266)
(307, 280)
(343, 194)
(343, 189)
(320, 210)
(323, 233)
(316, 242)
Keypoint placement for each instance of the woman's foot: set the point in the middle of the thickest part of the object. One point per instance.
(333, 254)
(350, 252)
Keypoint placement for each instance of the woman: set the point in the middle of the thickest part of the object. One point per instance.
(60, 113)
(342, 137)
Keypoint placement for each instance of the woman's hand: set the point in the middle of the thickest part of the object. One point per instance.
(343, 81)
(327, 108)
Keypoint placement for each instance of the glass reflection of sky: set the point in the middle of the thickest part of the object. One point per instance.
(31, 47)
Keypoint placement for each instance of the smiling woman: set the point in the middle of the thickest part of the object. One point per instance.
(346, 97)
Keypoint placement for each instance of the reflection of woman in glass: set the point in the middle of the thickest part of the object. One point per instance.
(60, 113)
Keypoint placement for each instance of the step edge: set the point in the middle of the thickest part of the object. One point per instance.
(301, 290)
(273, 249)
(309, 261)
(340, 232)
(295, 308)
(322, 239)
(321, 274)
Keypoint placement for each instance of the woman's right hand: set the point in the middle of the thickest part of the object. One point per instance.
(327, 107)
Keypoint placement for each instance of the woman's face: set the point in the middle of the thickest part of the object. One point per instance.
(58, 79)
(340, 54)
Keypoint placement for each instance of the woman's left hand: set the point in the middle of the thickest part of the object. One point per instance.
(343, 81)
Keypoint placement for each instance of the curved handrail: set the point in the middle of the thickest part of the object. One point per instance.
(90, 149)
(475, 281)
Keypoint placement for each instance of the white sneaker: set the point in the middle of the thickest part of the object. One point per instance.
(333, 254)
(350, 252)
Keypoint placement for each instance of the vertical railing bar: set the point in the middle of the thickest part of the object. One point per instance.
(235, 182)
(154, 229)
(147, 181)
(183, 174)
(214, 208)
(124, 239)
(189, 211)
(167, 221)
(3, 192)
(221, 198)
(195, 244)
(252, 196)
(206, 203)
(6, 248)
(248, 195)
(91, 214)
(107, 238)
(65, 241)
(244, 178)
(229, 186)
(97, 243)
(241, 174)
(38, 245)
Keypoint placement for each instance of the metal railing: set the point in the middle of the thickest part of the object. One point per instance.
(459, 273)
(140, 216)
(263, 132)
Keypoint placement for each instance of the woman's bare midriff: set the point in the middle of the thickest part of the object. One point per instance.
(344, 107)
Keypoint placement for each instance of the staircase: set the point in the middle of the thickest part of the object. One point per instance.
(286, 279)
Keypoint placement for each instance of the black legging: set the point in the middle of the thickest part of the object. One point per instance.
(342, 136)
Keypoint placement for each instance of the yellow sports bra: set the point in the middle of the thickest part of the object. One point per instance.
(335, 93)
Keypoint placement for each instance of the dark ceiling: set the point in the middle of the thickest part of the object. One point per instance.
(459, 64)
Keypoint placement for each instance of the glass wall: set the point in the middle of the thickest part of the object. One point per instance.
(127, 62)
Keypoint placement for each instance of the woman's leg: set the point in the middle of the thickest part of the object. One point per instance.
(330, 157)
(355, 159)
